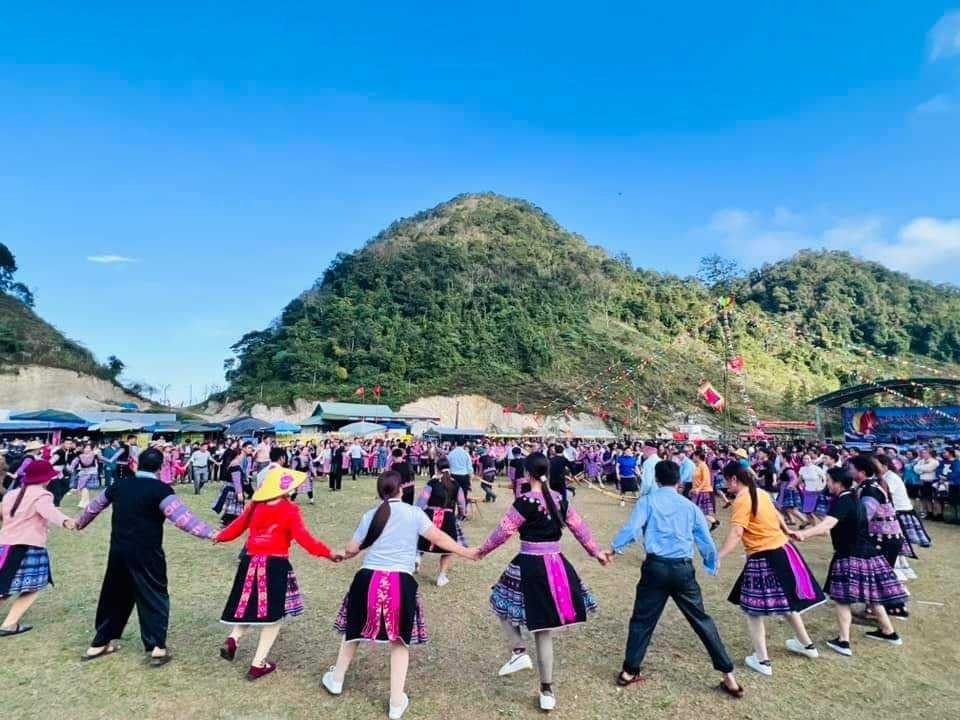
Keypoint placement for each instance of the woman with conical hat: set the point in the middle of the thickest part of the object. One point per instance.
(265, 589)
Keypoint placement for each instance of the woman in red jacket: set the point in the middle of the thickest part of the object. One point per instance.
(265, 588)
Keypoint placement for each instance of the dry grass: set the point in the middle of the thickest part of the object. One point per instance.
(455, 675)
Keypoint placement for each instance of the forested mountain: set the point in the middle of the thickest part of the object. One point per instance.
(490, 295)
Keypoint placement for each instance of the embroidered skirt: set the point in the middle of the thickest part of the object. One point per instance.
(87, 480)
(913, 530)
(446, 520)
(382, 607)
(864, 580)
(704, 501)
(816, 502)
(790, 498)
(23, 568)
(776, 582)
(265, 590)
(541, 591)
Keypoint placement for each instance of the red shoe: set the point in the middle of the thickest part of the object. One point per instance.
(229, 649)
(255, 673)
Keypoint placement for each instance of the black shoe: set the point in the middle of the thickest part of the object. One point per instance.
(841, 647)
(892, 638)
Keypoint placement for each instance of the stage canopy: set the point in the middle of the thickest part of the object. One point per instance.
(909, 387)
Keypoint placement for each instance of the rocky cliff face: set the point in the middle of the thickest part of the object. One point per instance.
(36, 387)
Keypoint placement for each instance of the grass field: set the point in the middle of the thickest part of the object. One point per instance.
(454, 676)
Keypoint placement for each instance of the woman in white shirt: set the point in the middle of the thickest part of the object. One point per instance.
(913, 531)
(926, 467)
(383, 603)
(816, 501)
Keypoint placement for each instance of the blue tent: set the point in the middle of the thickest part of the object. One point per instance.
(286, 427)
(59, 419)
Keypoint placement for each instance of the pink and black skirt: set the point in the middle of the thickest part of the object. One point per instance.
(870, 580)
(265, 590)
(776, 582)
(704, 501)
(445, 519)
(382, 607)
(540, 590)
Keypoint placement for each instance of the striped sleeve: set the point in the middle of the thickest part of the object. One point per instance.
(180, 515)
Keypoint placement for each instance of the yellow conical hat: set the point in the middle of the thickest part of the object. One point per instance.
(279, 481)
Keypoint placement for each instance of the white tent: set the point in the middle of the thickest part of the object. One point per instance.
(362, 429)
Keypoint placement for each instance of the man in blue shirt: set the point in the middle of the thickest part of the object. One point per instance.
(687, 466)
(669, 526)
(461, 466)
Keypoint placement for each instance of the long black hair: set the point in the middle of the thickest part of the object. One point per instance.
(388, 485)
(537, 467)
(449, 485)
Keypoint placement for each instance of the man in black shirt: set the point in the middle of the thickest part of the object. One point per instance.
(136, 572)
(559, 470)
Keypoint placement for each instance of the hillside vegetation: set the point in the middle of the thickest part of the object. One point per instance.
(489, 295)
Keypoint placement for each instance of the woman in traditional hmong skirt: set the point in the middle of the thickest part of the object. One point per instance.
(775, 579)
(701, 492)
(383, 603)
(539, 591)
(166, 470)
(326, 455)
(87, 468)
(231, 502)
(881, 518)
(790, 499)
(858, 573)
(443, 501)
(914, 534)
(265, 588)
(814, 481)
(593, 465)
(26, 515)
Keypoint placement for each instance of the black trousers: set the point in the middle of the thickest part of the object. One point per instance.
(464, 482)
(336, 479)
(660, 579)
(134, 578)
(59, 487)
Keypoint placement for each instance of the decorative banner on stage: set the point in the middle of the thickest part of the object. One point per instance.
(901, 424)
(735, 364)
(711, 397)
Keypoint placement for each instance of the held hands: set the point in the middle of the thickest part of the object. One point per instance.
(338, 556)
(472, 554)
(70, 524)
(605, 557)
(797, 535)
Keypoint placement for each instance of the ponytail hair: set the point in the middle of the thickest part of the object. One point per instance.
(450, 487)
(537, 467)
(388, 485)
(744, 476)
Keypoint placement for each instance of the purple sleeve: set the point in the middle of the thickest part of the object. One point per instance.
(94, 508)
(581, 531)
(424, 497)
(871, 506)
(181, 516)
(236, 479)
(461, 503)
(509, 524)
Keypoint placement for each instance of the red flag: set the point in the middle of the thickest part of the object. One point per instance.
(360, 391)
(736, 364)
(628, 402)
(377, 390)
(711, 397)
(519, 407)
(507, 410)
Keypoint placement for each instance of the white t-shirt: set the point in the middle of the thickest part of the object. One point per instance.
(200, 458)
(898, 491)
(356, 452)
(814, 478)
(396, 549)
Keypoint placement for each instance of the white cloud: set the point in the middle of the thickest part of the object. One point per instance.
(943, 40)
(925, 247)
(110, 259)
(937, 104)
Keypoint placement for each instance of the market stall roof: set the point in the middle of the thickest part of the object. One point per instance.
(454, 432)
(116, 426)
(286, 427)
(29, 426)
(906, 386)
(326, 412)
(246, 425)
(60, 418)
(362, 429)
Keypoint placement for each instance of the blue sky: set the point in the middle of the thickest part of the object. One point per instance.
(212, 158)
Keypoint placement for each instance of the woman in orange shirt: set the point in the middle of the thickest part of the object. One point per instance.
(775, 579)
(702, 491)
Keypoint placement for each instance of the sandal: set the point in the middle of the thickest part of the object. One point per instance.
(635, 680)
(160, 661)
(110, 649)
(737, 694)
(18, 630)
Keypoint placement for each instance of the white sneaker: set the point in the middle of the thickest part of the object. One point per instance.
(516, 663)
(397, 712)
(330, 682)
(754, 664)
(795, 646)
(442, 579)
(547, 702)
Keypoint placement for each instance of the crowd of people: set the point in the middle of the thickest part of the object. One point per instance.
(872, 504)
